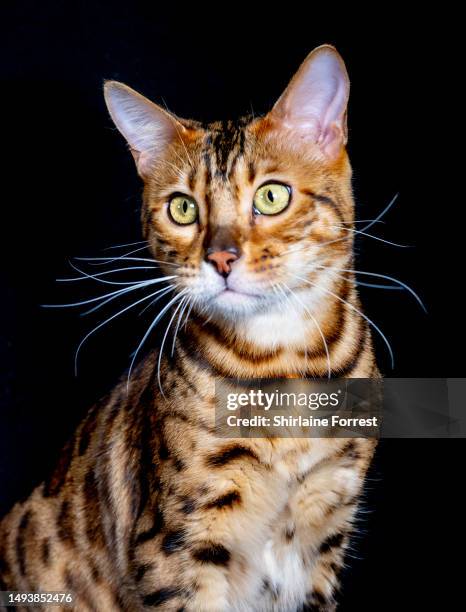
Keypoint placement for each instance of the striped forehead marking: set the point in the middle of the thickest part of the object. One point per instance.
(224, 145)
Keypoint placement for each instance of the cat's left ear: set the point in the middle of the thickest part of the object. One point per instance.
(313, 106)
(147, 128)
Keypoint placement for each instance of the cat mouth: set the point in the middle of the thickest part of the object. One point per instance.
(229, 292)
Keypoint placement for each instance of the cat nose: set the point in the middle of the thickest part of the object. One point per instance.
(222, 259)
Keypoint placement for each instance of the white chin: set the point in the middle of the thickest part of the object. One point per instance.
(235, 303)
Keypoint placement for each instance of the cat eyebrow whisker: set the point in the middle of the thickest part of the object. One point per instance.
(180, 174)
(181, 140)
(150, 328)
(146, 297)
(361, 314)
(314, 320)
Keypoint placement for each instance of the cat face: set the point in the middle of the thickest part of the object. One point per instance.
(242, 210)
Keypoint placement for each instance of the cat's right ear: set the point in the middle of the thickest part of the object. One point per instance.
(147, 128)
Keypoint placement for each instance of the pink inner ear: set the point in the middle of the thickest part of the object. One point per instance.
(147, 128)
(315, 101)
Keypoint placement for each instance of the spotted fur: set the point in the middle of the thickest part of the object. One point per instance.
(148, 508)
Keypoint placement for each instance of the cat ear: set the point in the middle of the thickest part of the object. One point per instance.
(315, 101)
(147, 128)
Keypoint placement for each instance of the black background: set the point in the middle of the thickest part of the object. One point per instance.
(69, 188)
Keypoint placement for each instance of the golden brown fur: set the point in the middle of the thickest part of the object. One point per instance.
(148, 508)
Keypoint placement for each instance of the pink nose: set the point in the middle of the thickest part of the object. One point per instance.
(222, 259)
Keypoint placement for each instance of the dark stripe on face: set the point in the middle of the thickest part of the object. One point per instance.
(323, 199)
(228, 500)
(20, 542)
(207, 160)
(226, 145)
(158, 598)
(192, 179)
(230, 453)
(216, 554)
(251, 172)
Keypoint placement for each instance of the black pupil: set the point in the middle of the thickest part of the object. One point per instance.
(184, 206)
(270, 195)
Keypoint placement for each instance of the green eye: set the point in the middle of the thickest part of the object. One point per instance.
(183, 210)
(272, 198)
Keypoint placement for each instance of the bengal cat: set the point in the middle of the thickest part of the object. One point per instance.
(148, 508)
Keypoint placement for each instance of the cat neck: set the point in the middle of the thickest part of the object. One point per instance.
(279, 342)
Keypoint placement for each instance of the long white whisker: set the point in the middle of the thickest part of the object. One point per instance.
(362, 233)
(364, 229)
(111, 294)
(382, 335)
(111, 319)
(147, 307)
(120, 246)
(360, 221)
(384, 211)
(159, 360)
(125, 254)
(86, 275)
(109, 260)
(358, 283)
(186, 304)
(376, 286)
(79, 278)
(277, 287)
(324, 341)
(151, 327)
(386, 277)
(91, 310)
(185, 322)
(320, 245)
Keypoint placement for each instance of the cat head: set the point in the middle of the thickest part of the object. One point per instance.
(248, 208)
